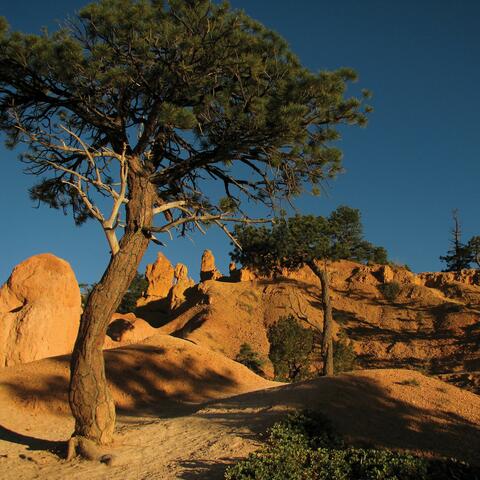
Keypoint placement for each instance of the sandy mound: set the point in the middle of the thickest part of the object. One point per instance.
(160, 369)
(399, 409)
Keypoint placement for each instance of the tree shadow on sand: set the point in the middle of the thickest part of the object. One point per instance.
(33, 443)
(363, 411)
(144, 379)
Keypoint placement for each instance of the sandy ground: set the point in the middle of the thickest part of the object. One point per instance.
(216, 411)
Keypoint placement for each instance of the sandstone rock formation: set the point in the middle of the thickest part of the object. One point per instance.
(208, 270)
(160, 276)
(40, 309)
(439, 279)
(176, 295)
(432, 325)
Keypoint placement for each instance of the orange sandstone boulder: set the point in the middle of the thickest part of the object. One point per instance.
(40, 309)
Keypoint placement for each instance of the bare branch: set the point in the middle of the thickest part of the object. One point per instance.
(205, 218)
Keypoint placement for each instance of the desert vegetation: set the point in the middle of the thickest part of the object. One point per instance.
(305, 446)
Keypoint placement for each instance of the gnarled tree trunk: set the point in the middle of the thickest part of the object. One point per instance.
(89, 396)
(327, 341)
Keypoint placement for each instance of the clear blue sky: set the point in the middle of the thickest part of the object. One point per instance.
(418, 158)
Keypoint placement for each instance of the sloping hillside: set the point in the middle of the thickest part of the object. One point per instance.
(432, 325)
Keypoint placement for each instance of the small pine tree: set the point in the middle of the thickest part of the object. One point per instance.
(459, 256)
(291, 347)
(474, 249)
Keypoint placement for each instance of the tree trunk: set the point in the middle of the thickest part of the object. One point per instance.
(89, 396)
(327, 341)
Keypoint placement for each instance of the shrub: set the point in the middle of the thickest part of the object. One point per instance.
(137, 287)
(343, 354)
(305, 447)
(291, 347)
(390, 290)
(251, 359)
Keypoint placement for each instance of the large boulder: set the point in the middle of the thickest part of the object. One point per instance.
(40, 309)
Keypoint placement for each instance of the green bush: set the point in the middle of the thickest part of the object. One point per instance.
(251, 359)
(344, 356)
(390, 290)
(291, 347)
(305, 447)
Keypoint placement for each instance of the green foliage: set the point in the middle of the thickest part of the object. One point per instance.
(344, 356)
(191, 88)
(305, 447)
(251, 359)
(85, 290)
(390, 290)
(302, 239)
(459, 256)
(473, 246)
(291, 347)
(135, 291)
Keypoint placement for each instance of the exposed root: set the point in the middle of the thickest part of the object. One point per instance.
(88, 450)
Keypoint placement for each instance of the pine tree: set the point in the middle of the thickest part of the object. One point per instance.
(459, 256)
(307, 240)
(474, 249)
(145, 104)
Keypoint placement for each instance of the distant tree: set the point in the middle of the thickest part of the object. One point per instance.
(132, 109)
(459, 256)
(346, 232)
(474, 249)
(306, 240)
(135, 290)
(291, 346)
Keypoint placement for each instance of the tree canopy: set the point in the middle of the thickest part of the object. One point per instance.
(188, 88)
(302, 239)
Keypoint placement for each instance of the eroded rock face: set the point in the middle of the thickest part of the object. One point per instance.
(208, 270)
(40, 310)
(177, 293)
(440, 279)
(160, 277)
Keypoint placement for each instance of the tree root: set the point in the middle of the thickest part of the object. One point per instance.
(88, 450)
